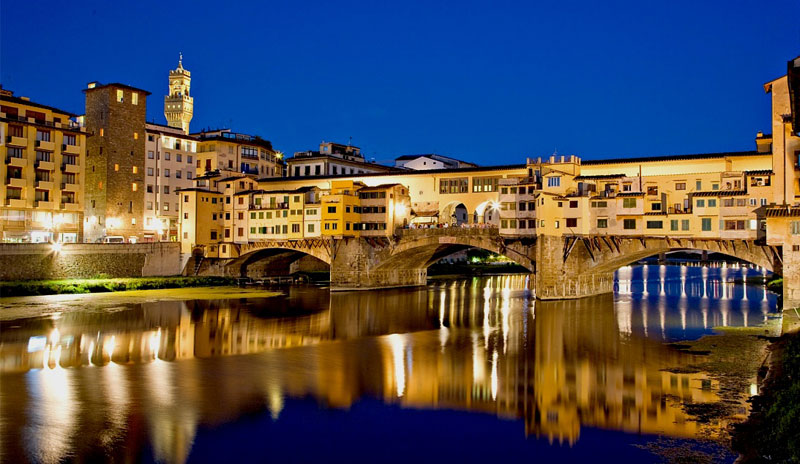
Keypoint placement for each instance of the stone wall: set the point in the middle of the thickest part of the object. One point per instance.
(27, 261)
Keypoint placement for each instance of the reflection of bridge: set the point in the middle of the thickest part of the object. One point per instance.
(571, 266)
(554, 365)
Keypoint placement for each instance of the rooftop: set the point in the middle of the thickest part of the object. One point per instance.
(92, 86)
(22, 101)
(696, 156)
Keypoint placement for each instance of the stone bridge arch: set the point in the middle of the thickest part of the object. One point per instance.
(607, 254)
(578, 266)
(418, 249)
(277, 256)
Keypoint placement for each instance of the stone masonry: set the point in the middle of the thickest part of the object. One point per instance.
(28, 261)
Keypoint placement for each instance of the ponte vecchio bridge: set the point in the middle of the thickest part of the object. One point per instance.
(569, 266)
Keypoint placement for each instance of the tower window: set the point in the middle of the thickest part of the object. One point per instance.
(120, 97)
(135, 98)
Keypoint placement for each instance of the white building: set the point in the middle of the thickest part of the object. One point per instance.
(430, 161)
(332, 159)
(169, 165)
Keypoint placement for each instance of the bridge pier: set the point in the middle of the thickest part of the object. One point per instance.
(560, 278)
(791, 277)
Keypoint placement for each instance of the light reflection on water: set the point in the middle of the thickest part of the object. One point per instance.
(142, 384)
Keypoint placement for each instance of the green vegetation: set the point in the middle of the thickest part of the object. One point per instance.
(776, 285)
(479, 262)
(104, 285)
(771, 434)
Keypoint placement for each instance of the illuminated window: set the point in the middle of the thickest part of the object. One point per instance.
(116, 167)
(135, 170)
(135, 98)
(101, 133)
(134, 187)
(135, 136)
(120, 96)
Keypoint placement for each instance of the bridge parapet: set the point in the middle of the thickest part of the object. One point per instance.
(449, 232)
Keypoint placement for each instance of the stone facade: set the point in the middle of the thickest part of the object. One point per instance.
(81, 261)
(115, 173)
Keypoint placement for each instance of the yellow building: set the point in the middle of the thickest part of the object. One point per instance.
(341, 209)
(44, 158)
(280, 214)
(201, 220)
(383, 208)
(233, 154)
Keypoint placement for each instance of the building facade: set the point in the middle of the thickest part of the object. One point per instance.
(228, 153)
(431, 161)
(332, 159)
(169, 167)
(115, 168)
(44, 167)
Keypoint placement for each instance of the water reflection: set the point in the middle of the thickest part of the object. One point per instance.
(144, 379)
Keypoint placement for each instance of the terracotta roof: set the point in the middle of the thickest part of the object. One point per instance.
(198, 189)
(601, 176)
(630, 194)
(760, 172)
(782, 211)
(20, 101)
(721, 193)
(99, 86)
(673, 157)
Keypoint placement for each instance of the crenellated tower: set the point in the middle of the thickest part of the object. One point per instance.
(178, 105)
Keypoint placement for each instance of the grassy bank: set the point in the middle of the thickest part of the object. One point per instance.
(772, 434)
(104, 285)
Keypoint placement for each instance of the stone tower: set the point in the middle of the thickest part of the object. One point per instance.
(178, 105)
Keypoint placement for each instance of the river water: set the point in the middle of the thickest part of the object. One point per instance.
(467, 370)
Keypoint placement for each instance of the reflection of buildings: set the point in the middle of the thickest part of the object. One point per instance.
(477, 345)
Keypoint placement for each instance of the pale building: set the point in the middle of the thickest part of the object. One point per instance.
(332, 159)
(43, 170)
(785, 138)
(431, 161)
(169, 167)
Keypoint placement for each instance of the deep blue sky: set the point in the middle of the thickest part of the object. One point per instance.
(488, 82)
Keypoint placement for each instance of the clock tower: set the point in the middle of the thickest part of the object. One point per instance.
(178, 105)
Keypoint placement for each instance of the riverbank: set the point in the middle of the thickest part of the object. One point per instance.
(33, 306)
(771, 433)
(105, 285)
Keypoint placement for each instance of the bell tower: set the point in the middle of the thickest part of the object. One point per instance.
(178, 105)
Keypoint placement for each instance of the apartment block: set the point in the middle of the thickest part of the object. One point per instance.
(230, 153)
(44, 160)
(169, 167)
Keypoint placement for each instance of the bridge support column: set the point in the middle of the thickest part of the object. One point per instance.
(560, 279)
(355, 267)
(791, 277)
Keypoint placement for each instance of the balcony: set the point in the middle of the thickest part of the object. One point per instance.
(44, 204)
(45, 165)
(17, 182)
(71, 168)
(16, 141)
(46, 146)
(71, 206)
(16, 202)
(17, 162)
(44, 185)
(71, 149)
(70, 187)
